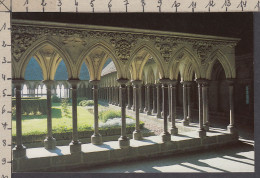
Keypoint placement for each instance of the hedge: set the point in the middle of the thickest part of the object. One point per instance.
(32, 105)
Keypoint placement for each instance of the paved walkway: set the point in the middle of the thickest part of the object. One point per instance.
(235, 158)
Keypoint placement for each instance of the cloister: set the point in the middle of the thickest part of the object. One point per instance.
(149, 71)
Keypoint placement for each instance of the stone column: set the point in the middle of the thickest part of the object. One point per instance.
(49, 142)
(173, 113)
(129, 96)
(188, 101)
(205, 106)
(185, 121)
(154, 99)
(149, 109)
(166, 136)
(231, 127)
(96, 138)
(142, 99)
(75, 145)
(124, 141)
(137, 135)
(158, 89)
(201, 131)
(19, 151)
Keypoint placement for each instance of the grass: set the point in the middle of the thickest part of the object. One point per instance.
(37, 124)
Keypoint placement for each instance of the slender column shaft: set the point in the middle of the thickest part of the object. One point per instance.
(49, 142)
(205, 107)
(158, 86)
(149, 109)
(173, 114)
(154, 99)
(49, 122)
(165, 135)
(123, 140)
(231, 128)
(185, 121)
(96, 137)
(142, 98)
(74, 113)
(201, 130)
(136, 86)
(18, 116)
(128, 97)
(75, 145)
(19, 150)
(188, 102)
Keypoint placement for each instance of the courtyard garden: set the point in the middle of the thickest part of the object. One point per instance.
(34, 118)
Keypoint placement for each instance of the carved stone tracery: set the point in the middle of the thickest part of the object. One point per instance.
(203, 52)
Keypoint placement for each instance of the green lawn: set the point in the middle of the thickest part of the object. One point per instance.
(33, 124)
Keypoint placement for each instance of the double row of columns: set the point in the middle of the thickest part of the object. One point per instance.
(167, 86)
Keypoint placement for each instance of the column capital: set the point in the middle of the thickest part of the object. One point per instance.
(137, 82)
(18, 82)
(94, 82)
(122, 81)
(173, 82)
(164, 81)
(203, 82)
(187, 83)
(74, 83)
(48, 83)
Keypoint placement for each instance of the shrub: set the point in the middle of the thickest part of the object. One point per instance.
(109, 114)
(79, 99)
(32, 106)
(64, 106)
(116, 122)
(55, 99)
(86, 103)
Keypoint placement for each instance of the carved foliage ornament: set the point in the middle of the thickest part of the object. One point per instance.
(165, 50)
(20, 42)
(203, 52)
(123, 48)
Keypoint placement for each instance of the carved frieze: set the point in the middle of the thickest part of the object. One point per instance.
(203, 52)
(20, 42)
(166, 49)
(123, 48)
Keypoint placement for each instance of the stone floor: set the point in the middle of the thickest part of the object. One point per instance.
(235, 158)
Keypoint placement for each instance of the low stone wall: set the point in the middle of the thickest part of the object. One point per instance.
(98, 155)
(38, 139)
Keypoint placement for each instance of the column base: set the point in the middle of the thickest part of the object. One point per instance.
(141, 110)
(154, 111)
(96, 139)
(185, 122)
(189, 119)
(75, 147)
(129, 107)
(169, 118)
(232, 129)
(149, 113)
(174, 131)
(206, 126)
(19, 152)
(166, 137)
(137, 135)
(124, 142)
(162, 114)
(159, 116)
(202, 133)
(49, 143)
